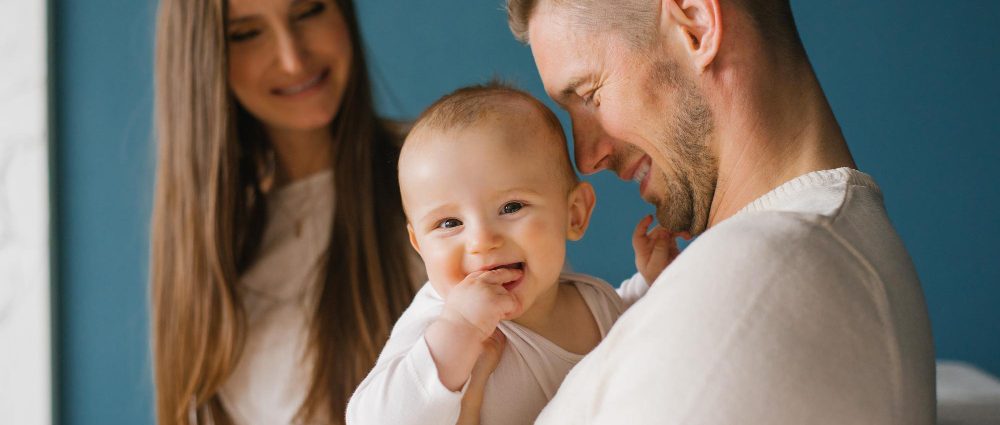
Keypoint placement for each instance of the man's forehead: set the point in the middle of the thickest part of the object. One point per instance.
(564, 57)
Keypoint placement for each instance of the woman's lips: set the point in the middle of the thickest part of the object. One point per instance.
(303, 87)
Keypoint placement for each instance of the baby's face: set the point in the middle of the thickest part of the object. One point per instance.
(482, 197)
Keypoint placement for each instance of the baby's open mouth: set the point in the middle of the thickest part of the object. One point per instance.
(513, 266)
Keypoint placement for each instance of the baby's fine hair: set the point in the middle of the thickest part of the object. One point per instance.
(468, 105)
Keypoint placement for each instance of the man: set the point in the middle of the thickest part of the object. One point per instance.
(798, 302)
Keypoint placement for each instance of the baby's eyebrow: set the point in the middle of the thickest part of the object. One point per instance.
(526, 190)
(433, 213)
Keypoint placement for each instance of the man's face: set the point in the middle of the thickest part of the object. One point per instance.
(635, 113)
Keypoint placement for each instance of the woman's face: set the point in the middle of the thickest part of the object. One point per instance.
(289, 60)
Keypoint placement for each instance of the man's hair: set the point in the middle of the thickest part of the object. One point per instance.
(636, 19)
(633, 19)
(468, 105)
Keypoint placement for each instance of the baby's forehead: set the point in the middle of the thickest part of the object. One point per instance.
(513, 126)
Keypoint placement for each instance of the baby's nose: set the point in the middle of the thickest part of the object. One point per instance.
(483, 239)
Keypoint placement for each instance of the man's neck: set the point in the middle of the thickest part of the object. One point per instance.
(779, 128)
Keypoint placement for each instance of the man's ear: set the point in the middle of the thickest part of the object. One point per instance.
(581, 206)
(698, 23)
(413, 238)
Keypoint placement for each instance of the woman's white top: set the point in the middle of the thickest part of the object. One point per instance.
(278, 293)
(404, 387)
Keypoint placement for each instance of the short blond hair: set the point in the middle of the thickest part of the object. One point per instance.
(634, 19)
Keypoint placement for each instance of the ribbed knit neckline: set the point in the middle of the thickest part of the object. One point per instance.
(821, 178)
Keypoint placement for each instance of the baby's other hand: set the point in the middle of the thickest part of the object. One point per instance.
(654, 250)
(472, 402)
(490, 358)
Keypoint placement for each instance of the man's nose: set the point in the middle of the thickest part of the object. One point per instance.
(483, 239)
(590, 147)
(290, 55)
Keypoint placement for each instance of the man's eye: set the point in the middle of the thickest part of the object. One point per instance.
(449, 223)
(511, 207)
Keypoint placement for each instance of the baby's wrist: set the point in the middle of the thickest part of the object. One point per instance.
(461, 327)
(454, 347)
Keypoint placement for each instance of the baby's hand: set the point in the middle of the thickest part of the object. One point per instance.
(655, 250)
(480, 301)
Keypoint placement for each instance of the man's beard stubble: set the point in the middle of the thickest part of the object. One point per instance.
(689, 182)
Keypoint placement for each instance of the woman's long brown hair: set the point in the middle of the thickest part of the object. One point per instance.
(209, 213)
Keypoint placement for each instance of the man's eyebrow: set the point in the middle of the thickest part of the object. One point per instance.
(570, 89)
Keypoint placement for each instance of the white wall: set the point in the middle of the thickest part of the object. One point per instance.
(25, 337)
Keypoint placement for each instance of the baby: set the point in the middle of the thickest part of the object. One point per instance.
(491, 199)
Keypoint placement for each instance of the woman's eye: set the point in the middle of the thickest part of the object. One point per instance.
(449, 223)
(511, 207)
(313, 10)
(238, 36)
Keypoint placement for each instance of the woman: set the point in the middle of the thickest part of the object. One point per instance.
(279, 254)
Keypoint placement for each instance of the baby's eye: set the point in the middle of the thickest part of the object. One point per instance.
(449, 223)
(511, 207)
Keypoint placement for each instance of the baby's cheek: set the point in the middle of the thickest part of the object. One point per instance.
(444, 268)
(549, 241)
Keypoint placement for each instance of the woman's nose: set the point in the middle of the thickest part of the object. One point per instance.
(290, 55)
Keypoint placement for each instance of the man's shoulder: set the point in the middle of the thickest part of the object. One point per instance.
(768, 238)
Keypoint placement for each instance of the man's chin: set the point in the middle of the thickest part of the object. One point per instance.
(674, 224)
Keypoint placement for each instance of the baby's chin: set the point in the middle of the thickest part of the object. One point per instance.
(519, 311)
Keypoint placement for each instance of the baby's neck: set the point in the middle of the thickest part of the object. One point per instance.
(544, 308)
(562, 316)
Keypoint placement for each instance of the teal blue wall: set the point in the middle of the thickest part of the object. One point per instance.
(102, 61)
(913, 84)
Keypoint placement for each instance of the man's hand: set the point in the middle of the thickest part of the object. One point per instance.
(471, 313)
(654, 250)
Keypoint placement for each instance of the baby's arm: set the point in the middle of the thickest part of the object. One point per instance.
(403, 387)
(408, 384)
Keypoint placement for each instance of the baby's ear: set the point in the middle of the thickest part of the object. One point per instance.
(413, 237)
(581, 205)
